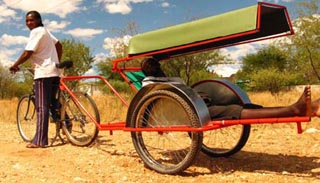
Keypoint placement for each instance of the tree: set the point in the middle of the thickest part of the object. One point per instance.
(5, 82)
(298, 56)
(266, 69)
(13, 85)
(105, 68)
(303, 48)
(118, 49)
(267, 57)
(270, 79)
(80, 54)
(195, 67)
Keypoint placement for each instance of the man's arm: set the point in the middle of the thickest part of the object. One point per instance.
(59, 50)
(22, 59)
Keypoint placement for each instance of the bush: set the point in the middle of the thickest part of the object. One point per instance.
(270, 79)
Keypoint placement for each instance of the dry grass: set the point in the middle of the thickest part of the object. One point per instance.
(281, 99)
(111, 108)
(8, 110)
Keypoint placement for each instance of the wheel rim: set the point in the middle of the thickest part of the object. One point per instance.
(166, 152)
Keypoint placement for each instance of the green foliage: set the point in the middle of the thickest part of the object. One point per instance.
(269, 69)
(19, 89)
(270, 79)
(191, 67)
(202, 75)
(303, 48)
(105, 70)
(119, 49)
(267, 57)
(80, 54)
(9, 85)
(298, 56)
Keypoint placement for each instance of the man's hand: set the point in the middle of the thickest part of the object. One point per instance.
(14, 69)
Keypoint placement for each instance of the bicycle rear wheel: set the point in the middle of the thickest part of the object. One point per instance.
(27, 117)
(83, 131)
(167, 152)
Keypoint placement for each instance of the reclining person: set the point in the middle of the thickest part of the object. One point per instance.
(152, 69)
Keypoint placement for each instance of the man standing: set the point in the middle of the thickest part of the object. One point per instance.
(44, 51)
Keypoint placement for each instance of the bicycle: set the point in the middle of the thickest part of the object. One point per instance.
(83, 131)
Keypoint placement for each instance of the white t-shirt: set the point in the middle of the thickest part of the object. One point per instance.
(44, 57)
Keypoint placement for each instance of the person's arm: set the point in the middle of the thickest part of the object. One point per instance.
(59, 50)
(22, 59)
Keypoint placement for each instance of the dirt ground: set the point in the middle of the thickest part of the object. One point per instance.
(273, 153)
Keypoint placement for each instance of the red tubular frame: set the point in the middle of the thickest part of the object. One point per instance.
(64, 87)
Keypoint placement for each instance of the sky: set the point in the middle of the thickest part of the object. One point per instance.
(92, 22)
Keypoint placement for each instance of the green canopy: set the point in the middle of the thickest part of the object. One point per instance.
(246, 24)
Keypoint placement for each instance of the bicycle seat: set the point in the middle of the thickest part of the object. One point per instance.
(65, 64)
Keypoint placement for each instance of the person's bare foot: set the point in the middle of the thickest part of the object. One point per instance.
(303, 106)
(32, 145)
(315, 108)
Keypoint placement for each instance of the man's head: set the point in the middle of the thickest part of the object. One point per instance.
(33, 19)
(151, 67)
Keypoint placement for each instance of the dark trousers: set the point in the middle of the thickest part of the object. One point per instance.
(46, 91)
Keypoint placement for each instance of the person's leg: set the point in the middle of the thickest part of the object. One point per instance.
(43, 92)
(315, 108)
(54, 103)
(301, 108)
(225, 111)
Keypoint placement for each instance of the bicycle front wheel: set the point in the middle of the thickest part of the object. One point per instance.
(27, 117)
(167, 152)
(78, 127)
